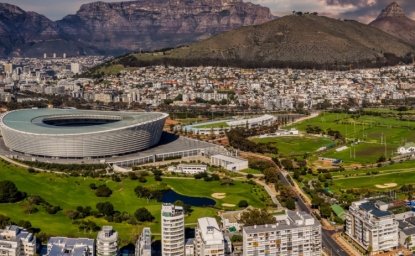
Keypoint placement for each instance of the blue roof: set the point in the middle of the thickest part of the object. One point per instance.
(371, 207)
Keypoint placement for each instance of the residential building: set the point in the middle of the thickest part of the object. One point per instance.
(172, 230)
(189, 248)
(75, 68)
(229, 163)
(190, 169)
(107, 242)
(372, 226)
(406, 222)
(295, 233)
(63, 246)
(209, 239)
(16, 241)
(143, 245)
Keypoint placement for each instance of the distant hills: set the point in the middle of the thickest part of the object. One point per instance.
(121, 27)
(296, 41)
(393, 20)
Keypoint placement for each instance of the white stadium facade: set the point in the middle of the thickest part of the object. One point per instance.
(80, 134)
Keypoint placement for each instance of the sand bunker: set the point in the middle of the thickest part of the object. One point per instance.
(228, 205)
(219, 195)
(387, 185)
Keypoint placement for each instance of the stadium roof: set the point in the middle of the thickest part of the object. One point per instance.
(35, 121)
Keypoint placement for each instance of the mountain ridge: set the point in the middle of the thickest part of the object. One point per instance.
(120, 27)
(394, 21)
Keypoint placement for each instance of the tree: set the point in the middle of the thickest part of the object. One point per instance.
(236, 238)
(142, 215)
(103, 191)
(290, 203)
(257, 217)
(325, 210)
(243, 204)
(105, 208)
(271, 175)
(9, 192)
(4, 221)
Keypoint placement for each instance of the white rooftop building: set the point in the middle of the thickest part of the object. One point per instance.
(107, 242)
(172, 230)
(16, 241)
(63, 246)
(229, 163)
(143, 245)
(209, 239)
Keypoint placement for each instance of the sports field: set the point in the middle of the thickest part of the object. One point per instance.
(375, 179)
(70, 192)
(377, 135)
(296, 145)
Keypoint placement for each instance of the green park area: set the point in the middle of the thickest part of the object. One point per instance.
(70, 192)
(376, 136)
(222, 124)
(296, 145)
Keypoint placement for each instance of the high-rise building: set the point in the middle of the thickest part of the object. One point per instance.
(209, 239)
(107, 242)
(143, 245)
(16, 241)
(75, 68)
(295, 233)
(172, 230)
(63, 246)
(54, 55)
(372, 226)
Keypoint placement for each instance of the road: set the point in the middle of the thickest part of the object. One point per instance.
(331, 247)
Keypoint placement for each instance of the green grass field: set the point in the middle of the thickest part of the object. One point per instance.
(213, 125)
(293, 145)
(373, 131)
(70, 192)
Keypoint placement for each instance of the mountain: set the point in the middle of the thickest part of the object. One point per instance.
(116, 28)
(393, 20)
(306, 41)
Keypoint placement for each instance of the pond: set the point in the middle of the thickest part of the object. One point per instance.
(170, 196)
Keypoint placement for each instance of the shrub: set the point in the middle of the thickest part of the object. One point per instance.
(9, 192)
(243, 204)
(103, 191)
(142, 215)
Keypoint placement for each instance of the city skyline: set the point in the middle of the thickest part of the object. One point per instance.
(361, 10)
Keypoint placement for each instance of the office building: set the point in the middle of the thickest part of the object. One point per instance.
(75, 68)
(63, 246)
(172, 230)
(16, 241)
(372, 226)
(209, 239)
(189, 169)
(143, 245)
(294, 233)
(229, 163)
(107, 242)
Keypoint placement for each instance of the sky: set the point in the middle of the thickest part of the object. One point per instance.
(362, 10)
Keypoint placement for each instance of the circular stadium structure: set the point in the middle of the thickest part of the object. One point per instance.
(72, 133)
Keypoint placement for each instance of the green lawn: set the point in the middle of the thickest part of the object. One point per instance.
(296, 145)
(213, 125)
(70, 192)
(251, 171)
(372, 130)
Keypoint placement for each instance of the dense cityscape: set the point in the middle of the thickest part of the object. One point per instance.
(207, 128)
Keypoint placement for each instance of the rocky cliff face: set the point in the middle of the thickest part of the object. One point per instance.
(115, 28)
(393, 20)
(153, 24)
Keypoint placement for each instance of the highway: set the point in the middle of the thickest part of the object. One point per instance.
(330, 246)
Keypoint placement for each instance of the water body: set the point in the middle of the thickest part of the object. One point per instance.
(171, 196)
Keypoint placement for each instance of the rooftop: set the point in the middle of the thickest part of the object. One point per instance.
(209, 231)
(73, 121)
(63, 246)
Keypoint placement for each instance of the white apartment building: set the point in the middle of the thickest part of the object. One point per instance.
(406, 229)
(209, 239)
(189, 169)
(143, 245)
(16, 241)
(63, 246)
(229, 163)
(107, 242)
(189, 247)
(295, 233)
(172, 230)
(371, 225)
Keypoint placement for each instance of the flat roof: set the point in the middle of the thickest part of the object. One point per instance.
(32, 120)
(229, 159)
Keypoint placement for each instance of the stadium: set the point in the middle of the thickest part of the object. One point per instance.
(80, 134)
